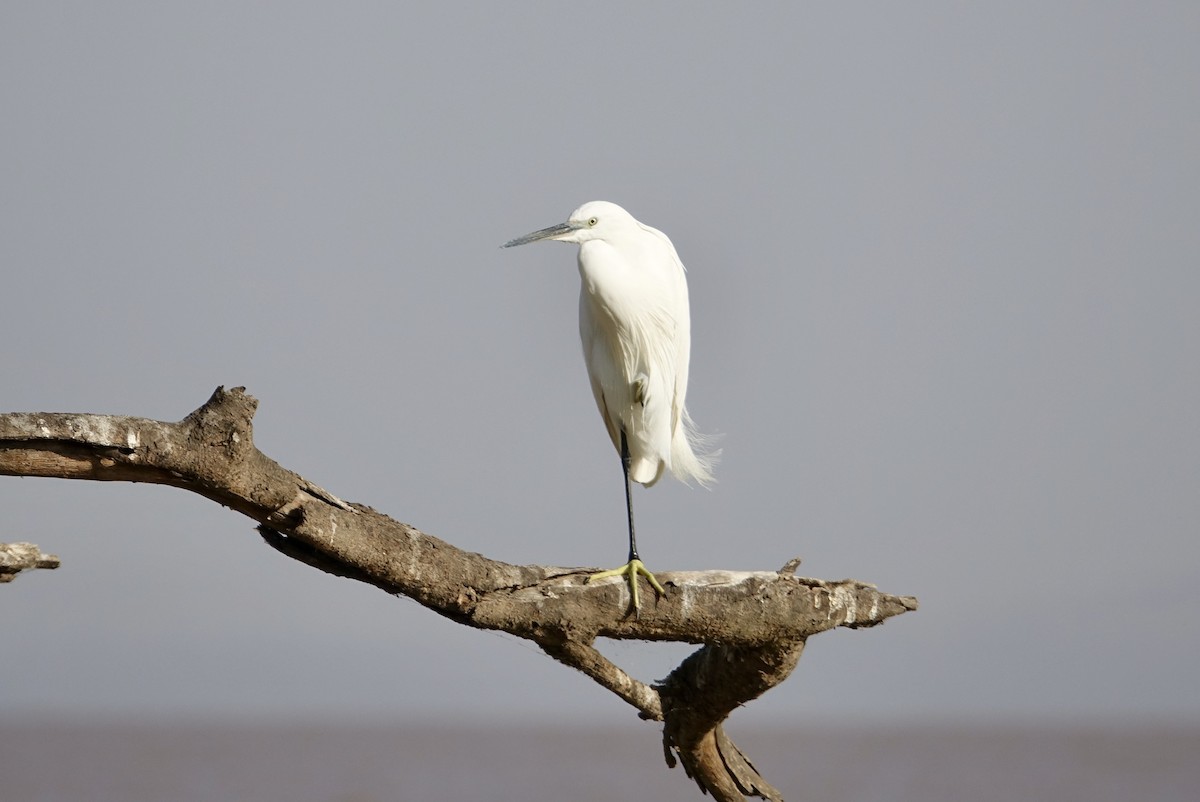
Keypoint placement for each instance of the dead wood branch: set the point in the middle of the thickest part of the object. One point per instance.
(753, 625)
(18, 557)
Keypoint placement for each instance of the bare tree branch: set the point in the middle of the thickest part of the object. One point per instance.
(753, 624)
(18, 557)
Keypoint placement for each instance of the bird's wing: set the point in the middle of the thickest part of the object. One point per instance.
(690, 456)
(673, 277)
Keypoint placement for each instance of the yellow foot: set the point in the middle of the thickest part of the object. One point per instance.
(630, 571)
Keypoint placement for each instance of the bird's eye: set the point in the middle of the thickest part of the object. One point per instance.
(592, 222)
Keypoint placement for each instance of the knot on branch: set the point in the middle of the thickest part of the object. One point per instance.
(224, 422)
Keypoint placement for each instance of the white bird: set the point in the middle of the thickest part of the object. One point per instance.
(636, 333)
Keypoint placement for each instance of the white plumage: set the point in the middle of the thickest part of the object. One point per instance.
(636, 334)
(635, 328)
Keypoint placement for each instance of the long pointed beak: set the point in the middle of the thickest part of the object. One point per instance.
(552, 232)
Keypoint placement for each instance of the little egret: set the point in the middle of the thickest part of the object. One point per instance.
(636, 333)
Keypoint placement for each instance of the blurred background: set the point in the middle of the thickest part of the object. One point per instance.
(945, 310)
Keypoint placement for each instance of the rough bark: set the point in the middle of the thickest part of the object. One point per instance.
(753, 625)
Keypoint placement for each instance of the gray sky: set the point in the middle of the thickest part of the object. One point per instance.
(944, 292)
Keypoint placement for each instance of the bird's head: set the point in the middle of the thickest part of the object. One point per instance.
(592, 220)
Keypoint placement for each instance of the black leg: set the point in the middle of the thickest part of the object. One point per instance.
(633, 552)
(631, 570)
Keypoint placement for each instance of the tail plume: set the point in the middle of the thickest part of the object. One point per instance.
(692, 454)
